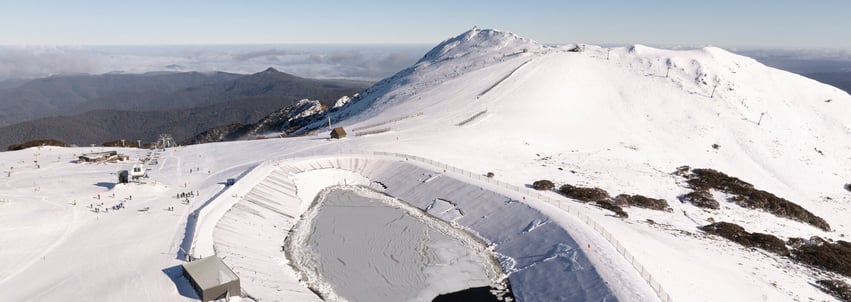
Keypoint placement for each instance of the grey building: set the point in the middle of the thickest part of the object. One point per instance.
(212, 278)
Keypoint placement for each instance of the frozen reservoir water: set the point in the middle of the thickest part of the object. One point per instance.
(356, 244)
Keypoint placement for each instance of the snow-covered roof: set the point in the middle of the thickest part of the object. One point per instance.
(209, 272)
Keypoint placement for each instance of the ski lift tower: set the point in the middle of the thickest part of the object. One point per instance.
(166, 141)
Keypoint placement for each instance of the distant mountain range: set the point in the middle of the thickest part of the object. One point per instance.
(93, 109)
(841, 80)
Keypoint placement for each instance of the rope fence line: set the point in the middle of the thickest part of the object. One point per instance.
(371, 132)
(504, 78)
(387, 122)
(568, 207)
(470, 119)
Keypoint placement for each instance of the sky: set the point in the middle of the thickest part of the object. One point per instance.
(370, 40)
(753, 23)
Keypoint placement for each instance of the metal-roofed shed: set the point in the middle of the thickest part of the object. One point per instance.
(338, 133)
(212, 278)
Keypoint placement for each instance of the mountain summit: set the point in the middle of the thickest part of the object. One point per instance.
(480, 43)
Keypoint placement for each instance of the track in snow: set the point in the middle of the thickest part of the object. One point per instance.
(504, 78)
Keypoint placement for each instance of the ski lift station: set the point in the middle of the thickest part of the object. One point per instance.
(138, 171)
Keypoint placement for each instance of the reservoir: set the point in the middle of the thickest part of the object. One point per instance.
(356, 244)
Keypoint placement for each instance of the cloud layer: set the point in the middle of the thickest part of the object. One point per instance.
(368, 62)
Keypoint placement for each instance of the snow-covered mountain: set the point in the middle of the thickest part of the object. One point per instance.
(621, 119)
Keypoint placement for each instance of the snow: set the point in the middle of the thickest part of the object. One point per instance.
(622, 124)
(342, 101)
(364, 246)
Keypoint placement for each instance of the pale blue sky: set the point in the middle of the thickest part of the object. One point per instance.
(726, 23)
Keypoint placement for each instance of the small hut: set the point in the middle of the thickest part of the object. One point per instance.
(338, 133)
(212, 278)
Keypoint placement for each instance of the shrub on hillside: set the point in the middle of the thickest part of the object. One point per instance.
(737, 234)
(835, 257)
(682, 171)
(848, 187)
(836, 288)
(745, 195)
(643, 202)
(705, 179)
(37, 143)
(701, 199)
(583, 194)
(543, 185)
(605, 204)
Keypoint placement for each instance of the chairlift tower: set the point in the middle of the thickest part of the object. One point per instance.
(166, 141)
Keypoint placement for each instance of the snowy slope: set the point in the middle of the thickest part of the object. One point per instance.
(487, 101)
(623, 125)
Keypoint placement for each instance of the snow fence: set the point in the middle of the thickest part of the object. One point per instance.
(544, 262)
